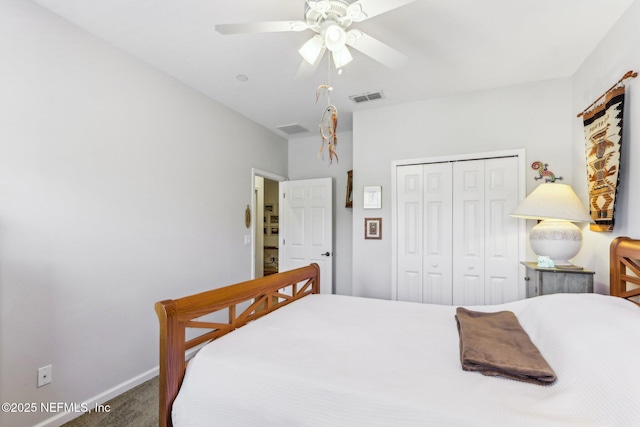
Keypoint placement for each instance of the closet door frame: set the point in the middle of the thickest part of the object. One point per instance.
(522, 237)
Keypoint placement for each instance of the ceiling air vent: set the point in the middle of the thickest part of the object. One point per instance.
(370, 96)
(292, 129)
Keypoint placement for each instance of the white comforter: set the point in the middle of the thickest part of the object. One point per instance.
(330, 360)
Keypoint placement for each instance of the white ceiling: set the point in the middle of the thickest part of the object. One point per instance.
(454, 46)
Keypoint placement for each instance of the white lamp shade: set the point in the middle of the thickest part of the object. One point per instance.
(553, 201)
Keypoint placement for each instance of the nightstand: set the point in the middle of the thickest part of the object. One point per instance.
(543, 281)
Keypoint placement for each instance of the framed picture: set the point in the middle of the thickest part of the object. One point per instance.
(274, 231)
(373, 228)
(269, 207)
(274, 219)
(349, 202)
(372, 198)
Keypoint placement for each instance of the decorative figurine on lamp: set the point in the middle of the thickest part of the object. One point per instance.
(556, 236)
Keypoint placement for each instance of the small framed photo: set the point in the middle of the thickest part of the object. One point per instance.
(274, 219)
(373, 228)
(274, 231)
(372, 197)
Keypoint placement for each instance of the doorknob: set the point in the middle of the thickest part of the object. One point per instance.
(326, 254)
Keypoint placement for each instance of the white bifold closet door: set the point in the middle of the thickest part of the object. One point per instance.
(456, 242)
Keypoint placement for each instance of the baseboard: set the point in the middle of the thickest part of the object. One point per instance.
(65, 417)
(100, 399)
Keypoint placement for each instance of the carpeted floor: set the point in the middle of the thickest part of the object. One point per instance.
(137, 407)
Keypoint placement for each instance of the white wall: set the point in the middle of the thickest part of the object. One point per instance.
(110, 200)
(610, 60)
(305, 164)
(533, 116)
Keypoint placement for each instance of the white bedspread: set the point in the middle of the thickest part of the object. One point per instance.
(331, 360)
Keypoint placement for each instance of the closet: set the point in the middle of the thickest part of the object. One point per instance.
(456, 243)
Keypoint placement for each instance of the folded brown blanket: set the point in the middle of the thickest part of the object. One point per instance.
(495, 344)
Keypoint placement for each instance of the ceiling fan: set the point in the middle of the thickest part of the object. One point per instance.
(330, 20)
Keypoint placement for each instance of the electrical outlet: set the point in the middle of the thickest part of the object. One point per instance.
(45, 375)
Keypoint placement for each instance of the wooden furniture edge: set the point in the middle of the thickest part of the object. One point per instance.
(624, 253)
(176, 315)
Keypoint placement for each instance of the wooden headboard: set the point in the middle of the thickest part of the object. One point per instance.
(624, 263)
(262, 296)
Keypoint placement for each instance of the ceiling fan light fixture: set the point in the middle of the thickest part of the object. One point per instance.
(311, 49)
(335, 37)
(330, 20)
(341, 57)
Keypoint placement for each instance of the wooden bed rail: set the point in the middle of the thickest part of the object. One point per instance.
(625, 268)
(263, 295)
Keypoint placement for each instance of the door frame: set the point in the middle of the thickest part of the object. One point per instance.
(522, 190)
(264, 174)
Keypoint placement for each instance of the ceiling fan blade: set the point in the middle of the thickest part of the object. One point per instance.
(262, 27)
(306, 69)
(365, 9)
(375, 49)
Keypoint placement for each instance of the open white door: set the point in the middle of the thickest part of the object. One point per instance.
(306, 227)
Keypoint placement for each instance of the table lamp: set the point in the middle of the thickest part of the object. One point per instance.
(557, 207)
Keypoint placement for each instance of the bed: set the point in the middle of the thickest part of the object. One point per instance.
(301, 358)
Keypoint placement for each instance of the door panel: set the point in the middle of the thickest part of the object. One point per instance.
(438, 199)
(437, 288)
(501, 234)
(318, 232)
(409, 205)
(468, 232)
(471, 289)
(411, 289)
(306, 227)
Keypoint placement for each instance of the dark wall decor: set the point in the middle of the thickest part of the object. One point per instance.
(349, 201)
(373, 228)
(603, 138)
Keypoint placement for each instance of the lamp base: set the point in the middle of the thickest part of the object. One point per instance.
(559, 240)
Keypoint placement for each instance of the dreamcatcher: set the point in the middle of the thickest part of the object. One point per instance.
(328, 125)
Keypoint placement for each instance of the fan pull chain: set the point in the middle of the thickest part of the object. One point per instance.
(329, 80)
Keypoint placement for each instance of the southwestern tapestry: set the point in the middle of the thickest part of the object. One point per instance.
(603, 137)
